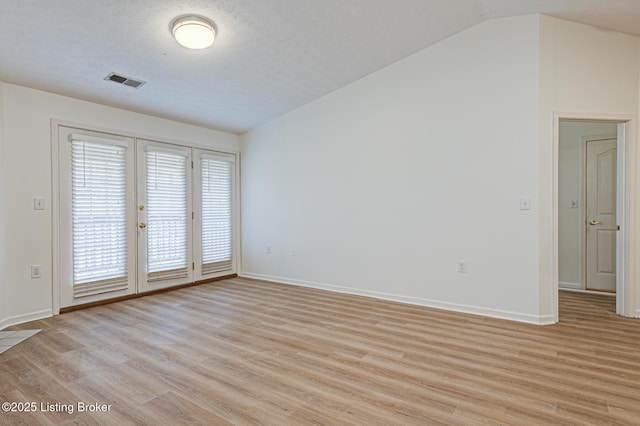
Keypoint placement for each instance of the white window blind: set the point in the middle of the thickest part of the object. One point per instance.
(216, 214)
(99, 217)
(167, 213)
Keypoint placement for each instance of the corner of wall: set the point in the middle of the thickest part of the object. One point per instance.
(547, 301)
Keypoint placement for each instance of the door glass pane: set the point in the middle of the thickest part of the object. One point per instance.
(216, 199)
(166, 211)
(99, 217)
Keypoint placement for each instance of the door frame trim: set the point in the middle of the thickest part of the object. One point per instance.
(626, 200)
(55, 217)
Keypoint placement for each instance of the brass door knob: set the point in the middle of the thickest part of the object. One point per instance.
(142, 225)
(594, 222)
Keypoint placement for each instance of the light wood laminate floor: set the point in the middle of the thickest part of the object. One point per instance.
(247, 352)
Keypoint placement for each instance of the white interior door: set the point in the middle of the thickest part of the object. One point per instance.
(97, 216)
(601, 227)
(164, 216)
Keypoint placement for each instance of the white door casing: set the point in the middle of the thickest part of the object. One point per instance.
(627, 205)
(600, 212)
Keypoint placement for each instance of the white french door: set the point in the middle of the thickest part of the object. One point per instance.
(137, 215)
(214, 201)
(164, 215)
(97, 237)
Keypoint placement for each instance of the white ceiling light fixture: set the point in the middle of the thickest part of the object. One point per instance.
(193, 32)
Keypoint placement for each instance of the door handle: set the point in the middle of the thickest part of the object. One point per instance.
(594, 222)
(142, 225)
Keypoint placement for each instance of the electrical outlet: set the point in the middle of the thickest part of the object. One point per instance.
(36, 271)
(293, 252)
(525, 203)
(462, 267)
(268, 250)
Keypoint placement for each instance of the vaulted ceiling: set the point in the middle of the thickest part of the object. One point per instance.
(270, 56)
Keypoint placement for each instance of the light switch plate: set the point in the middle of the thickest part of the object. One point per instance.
(38, 203)
(36, 271)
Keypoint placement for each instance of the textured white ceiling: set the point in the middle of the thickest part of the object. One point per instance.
(270, 56)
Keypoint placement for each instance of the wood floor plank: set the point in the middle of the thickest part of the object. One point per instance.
(243, 351)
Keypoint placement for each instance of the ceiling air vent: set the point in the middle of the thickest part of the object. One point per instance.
(127, 81)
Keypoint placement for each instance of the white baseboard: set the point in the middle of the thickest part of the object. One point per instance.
(19, 319)
(455, 307)
(575, 286)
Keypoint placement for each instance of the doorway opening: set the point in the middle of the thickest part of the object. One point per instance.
(592, 207)
(587, 194)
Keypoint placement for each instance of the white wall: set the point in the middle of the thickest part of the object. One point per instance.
(384, 185)
(27, 170)
(583, 70)
(569, 189)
